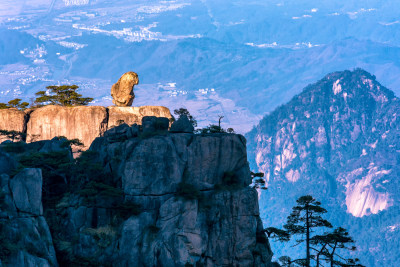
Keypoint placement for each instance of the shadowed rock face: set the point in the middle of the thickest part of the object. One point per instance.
(153, 198)
(25, 236)
(122, 91)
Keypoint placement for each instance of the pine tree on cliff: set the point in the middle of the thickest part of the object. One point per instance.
(303, 221)
(305, 217)
(184, 112)
(64, 95)
(15, 103)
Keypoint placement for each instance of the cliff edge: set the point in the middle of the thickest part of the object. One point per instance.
(144, 196)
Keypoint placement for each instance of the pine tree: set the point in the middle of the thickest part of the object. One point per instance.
(331, 243)
(184, 112)
(15, 103)
(64, 95)
(305, 217)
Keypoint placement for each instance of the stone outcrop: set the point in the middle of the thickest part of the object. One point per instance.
(12, 119)
(122, 91)
(132, 115)
(142, 196)
(25, 238)
(182, 125)
(194, 204)
(84, 122)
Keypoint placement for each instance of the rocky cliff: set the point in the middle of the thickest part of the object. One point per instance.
(84, 122)
(339, 141)
(140, 196)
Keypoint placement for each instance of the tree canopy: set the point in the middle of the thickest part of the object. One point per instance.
(64, 95)
(184, 112)
(15, 103)
(303, 222)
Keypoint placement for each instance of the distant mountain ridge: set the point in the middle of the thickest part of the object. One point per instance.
(339, 141)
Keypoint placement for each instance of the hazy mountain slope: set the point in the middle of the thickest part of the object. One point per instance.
(256, 55)
(339, 141)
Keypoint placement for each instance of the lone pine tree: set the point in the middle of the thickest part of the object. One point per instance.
(303, 221)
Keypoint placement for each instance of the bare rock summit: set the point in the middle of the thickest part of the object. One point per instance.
(122, 91)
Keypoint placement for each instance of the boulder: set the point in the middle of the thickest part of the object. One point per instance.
(122, 91)
(84, 123)
(182, 125)
(132, 115)
(151, 124)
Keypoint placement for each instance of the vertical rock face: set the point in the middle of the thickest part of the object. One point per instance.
(193, 206)
(84, 123)
(12, 120)
(122, 91)
(25, 238)
(141, 196)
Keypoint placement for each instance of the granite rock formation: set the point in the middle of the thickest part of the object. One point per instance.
(84, 122)
(182, 125)
(122, 91)
(12, 119)
(143, 198)
(25, 238)
(134, 115)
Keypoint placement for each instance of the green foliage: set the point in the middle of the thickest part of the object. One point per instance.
(275, 233)
(147, 135)
(13, 135)
(187, 191)
(258, 180)
(70, 142)
(64, 95)
(303, 221)
(211, 129)
(184, 112)
(15, 103)
(103, 235)
(96, 189)
(16, 147)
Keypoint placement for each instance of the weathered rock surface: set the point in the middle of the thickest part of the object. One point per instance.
(182, 125)
(84, 123)
(122, 91)
(12, 120)
(190, 213)
(140, 198)
(132, 115)
(25, 238)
